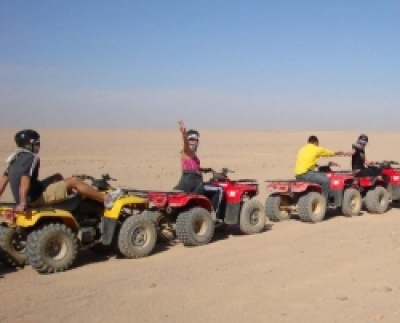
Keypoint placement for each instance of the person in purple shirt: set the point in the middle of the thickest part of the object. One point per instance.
(191, 180)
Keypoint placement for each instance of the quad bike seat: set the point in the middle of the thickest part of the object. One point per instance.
(69, 204)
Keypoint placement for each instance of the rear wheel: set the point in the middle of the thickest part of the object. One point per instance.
(352, 202)
(12, 247)
(252, 217)
(195, 227)
(164, 225)
(137, 237)
(52, 248)
(273, 208)
(377, 200)
(312, 207)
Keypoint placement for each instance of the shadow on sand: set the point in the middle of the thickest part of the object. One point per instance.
(331, 213)
(234, 230)
(4, 270)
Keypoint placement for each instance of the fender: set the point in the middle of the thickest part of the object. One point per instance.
(111, 216)
(31, 218)
(132, 201)
(182, 200)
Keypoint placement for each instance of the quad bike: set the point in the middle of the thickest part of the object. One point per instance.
(238, 205)
(53, 234)
(305, 197)
(191, 218)
(186, 216)
(376, 190)
(393, 175)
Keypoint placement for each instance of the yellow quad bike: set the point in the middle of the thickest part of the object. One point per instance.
(49, 237)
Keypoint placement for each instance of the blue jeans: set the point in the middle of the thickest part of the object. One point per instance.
(319, 178)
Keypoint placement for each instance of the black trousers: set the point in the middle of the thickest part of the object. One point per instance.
(368, 171)
(191, 182)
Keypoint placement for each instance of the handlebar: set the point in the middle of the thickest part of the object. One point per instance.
(223, 174)
(385, 163)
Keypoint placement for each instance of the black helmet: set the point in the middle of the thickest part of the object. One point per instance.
(28, 139)
(193, 134)
(363, 139)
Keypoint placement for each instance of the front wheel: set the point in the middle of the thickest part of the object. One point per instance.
(137, 237)
(252, 217)
(52, 248)
(352, 202)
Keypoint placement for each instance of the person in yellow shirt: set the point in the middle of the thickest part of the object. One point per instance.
(306, 162)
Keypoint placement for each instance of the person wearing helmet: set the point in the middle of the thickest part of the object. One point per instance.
(307, 158)
(192, 179)
(22, 174)
(359, 163)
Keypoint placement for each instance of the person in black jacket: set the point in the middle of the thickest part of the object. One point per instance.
(22, 173)
(359, 163)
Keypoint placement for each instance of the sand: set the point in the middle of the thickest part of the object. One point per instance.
(339, 270)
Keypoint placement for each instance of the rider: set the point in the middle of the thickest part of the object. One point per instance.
(306, 162)
(359, 161)
(192, 179)
(23, 170)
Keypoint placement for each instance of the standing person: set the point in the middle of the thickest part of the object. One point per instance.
(359, 160)
(307, 158)
(22, 173)
(191, 180)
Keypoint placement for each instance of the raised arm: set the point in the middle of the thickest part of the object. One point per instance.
(186, 148)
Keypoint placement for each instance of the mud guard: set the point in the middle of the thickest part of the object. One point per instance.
(109, 226)
(232, 213)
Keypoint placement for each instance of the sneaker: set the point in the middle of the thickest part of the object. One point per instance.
(112, 197)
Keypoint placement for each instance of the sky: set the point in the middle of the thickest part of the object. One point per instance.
(216, 64)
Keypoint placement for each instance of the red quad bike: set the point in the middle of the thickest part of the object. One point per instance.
(305, 197)
(190, 217)
(393, 175)
(186, 216)
(238, 205)
(377, 191)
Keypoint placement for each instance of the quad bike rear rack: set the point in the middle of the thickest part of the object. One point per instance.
(288, 181)
(145, 193)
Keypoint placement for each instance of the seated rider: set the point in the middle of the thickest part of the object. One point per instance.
(22, 173)
(359, 161)
(192, 179)
(307, 158)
